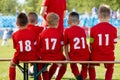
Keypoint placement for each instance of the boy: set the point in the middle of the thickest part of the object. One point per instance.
(23, 42)
(75, 37)
(51, 42)
(5, 38)
(102, 39)
(32, 25)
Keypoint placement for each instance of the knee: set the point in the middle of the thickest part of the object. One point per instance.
(91, 66)
(12, 64)
(109, 66)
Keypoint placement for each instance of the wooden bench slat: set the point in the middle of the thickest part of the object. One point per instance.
(5, 59)
(116, 62)
(40, 61)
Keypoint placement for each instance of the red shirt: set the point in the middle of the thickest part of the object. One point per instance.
(104, 36)
(76, 37)
(36, 29)
(56, 6)
(24, 43)
(51, 42)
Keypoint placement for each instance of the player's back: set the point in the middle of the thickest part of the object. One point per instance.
(36, 29)
(77, 39)
(104, 36)
(24, 41)
(51, 40)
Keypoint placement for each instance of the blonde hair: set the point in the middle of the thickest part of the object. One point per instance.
(52, 19)
(104, 11)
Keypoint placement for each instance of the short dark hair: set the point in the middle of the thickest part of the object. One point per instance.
(104, 10)
(22, 19)
(74, 16)
(32, 17)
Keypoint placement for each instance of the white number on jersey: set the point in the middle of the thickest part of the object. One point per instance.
(53, 41)
(77, 42)
(27, 46)
(106, 39)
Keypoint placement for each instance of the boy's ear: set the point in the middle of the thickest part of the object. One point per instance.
(99, 16)
(69, 21)
(78, 22)
(37, 22)
(17, 24)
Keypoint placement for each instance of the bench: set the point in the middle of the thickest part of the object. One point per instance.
(24, 69)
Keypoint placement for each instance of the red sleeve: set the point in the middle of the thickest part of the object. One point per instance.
(65, 38)
(38, 44)
(45, 2)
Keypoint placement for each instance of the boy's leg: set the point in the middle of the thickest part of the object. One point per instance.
(62, 71)
(92, 73)
(12, 71)
(74, 69)
(40, 66)
(52, 70)
(109, 71)
(57, 71)
(84, 71)
(7, 44)
(45, 73)
(3, 42)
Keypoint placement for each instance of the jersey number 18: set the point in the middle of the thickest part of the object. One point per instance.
(27, 46)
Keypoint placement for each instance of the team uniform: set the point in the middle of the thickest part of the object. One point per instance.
(58, 7)
(103, 37)
(36, 29)
(76, 38)
(51, 42)
(24, 43)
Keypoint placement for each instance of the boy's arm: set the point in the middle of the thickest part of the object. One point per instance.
(43, 11)
(116, 37)
(45, 3)
(66, 52)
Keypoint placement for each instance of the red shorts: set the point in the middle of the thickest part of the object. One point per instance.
(24, 57)
(52, 57)
(98, 57)
(79, 56)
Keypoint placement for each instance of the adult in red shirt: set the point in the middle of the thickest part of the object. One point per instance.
(23, 42)
(75, 37)
(103, 37)
(51, 42)
(56, 6)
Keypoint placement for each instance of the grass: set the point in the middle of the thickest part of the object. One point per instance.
(8, 51)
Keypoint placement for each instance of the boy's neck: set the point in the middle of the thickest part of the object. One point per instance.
(34, 23)
(74, 24)
(22, 27)
(104, 20)
(50, 26)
